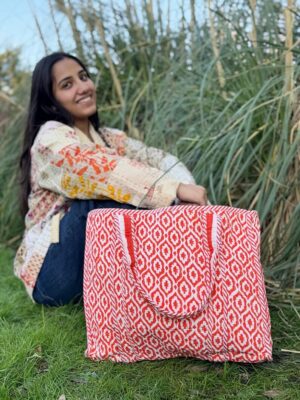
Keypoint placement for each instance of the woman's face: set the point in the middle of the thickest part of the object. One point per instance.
(73, 89)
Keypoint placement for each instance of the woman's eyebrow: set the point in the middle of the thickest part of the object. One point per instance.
(64, 79)
(70, 77)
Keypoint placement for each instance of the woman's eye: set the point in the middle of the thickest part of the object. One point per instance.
(66, 85)
(84, 77)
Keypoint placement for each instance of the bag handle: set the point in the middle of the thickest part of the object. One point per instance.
(210, 245)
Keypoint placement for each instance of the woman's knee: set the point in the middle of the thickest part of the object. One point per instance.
(57, 296)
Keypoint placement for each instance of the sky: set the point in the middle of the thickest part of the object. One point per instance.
(18, 28)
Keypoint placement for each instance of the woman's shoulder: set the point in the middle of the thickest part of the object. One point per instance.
(54, 132)
(107, 131)
(115, 138)
(56, 129)
(55, 125)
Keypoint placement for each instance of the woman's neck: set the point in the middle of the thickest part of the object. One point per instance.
(84, 126)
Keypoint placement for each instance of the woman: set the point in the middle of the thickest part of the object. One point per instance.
(70, 166)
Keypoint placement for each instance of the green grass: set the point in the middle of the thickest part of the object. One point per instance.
(42, 357)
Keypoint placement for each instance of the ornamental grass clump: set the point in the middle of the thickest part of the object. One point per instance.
(218, 88)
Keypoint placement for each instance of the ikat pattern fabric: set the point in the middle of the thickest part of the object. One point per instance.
(183, 281)
(66, 165)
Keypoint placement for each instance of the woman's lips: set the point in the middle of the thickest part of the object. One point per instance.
(85, 99)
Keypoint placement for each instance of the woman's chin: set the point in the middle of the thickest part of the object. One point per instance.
(87, 111)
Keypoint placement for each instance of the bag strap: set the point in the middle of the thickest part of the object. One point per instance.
(125, 225)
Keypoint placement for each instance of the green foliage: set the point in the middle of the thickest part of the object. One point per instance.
(238, 138)
(11, 73)
(42, 357)
(11, 222)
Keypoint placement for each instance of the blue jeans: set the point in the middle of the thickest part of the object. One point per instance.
(60, 280)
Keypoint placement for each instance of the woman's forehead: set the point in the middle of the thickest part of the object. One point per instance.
(64, 68)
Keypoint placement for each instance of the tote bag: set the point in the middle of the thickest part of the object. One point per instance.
(182, 281)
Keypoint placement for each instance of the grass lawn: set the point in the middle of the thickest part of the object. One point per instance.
(42, 357)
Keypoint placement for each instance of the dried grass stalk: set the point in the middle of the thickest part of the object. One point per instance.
(150, 16)
(168, 29)
(160, 21)
(280, 295)
(253, 32)
(113, 72)
(39, 29)
(289, 88)
(7, 99)
(68, 10)
(289, 69)
(88, 19)
(220, 70)
(193, 16)
(61, 48)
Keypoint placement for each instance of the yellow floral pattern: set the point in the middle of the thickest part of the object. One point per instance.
(118, 195)
(79, 187)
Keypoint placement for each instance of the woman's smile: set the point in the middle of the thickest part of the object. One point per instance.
(85, 99)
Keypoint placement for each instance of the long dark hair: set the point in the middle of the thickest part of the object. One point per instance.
(43, 107)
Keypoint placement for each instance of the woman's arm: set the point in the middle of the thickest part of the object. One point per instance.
(156, 158)
(62, 164)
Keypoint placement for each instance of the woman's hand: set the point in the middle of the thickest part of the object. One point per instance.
(189, 193)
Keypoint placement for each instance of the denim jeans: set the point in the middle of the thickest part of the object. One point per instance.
(60, 280)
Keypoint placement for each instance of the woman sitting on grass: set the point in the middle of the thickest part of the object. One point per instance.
(70, 166)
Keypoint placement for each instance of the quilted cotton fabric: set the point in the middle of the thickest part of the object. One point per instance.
(182, 281)
(67, 165)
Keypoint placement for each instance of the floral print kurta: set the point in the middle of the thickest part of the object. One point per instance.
(66, 165)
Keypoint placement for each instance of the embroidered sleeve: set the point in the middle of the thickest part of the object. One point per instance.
(156, 158)
(62, 164)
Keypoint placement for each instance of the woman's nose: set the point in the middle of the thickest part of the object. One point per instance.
(82, 86)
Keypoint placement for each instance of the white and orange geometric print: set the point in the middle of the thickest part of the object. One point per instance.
(183, 281)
